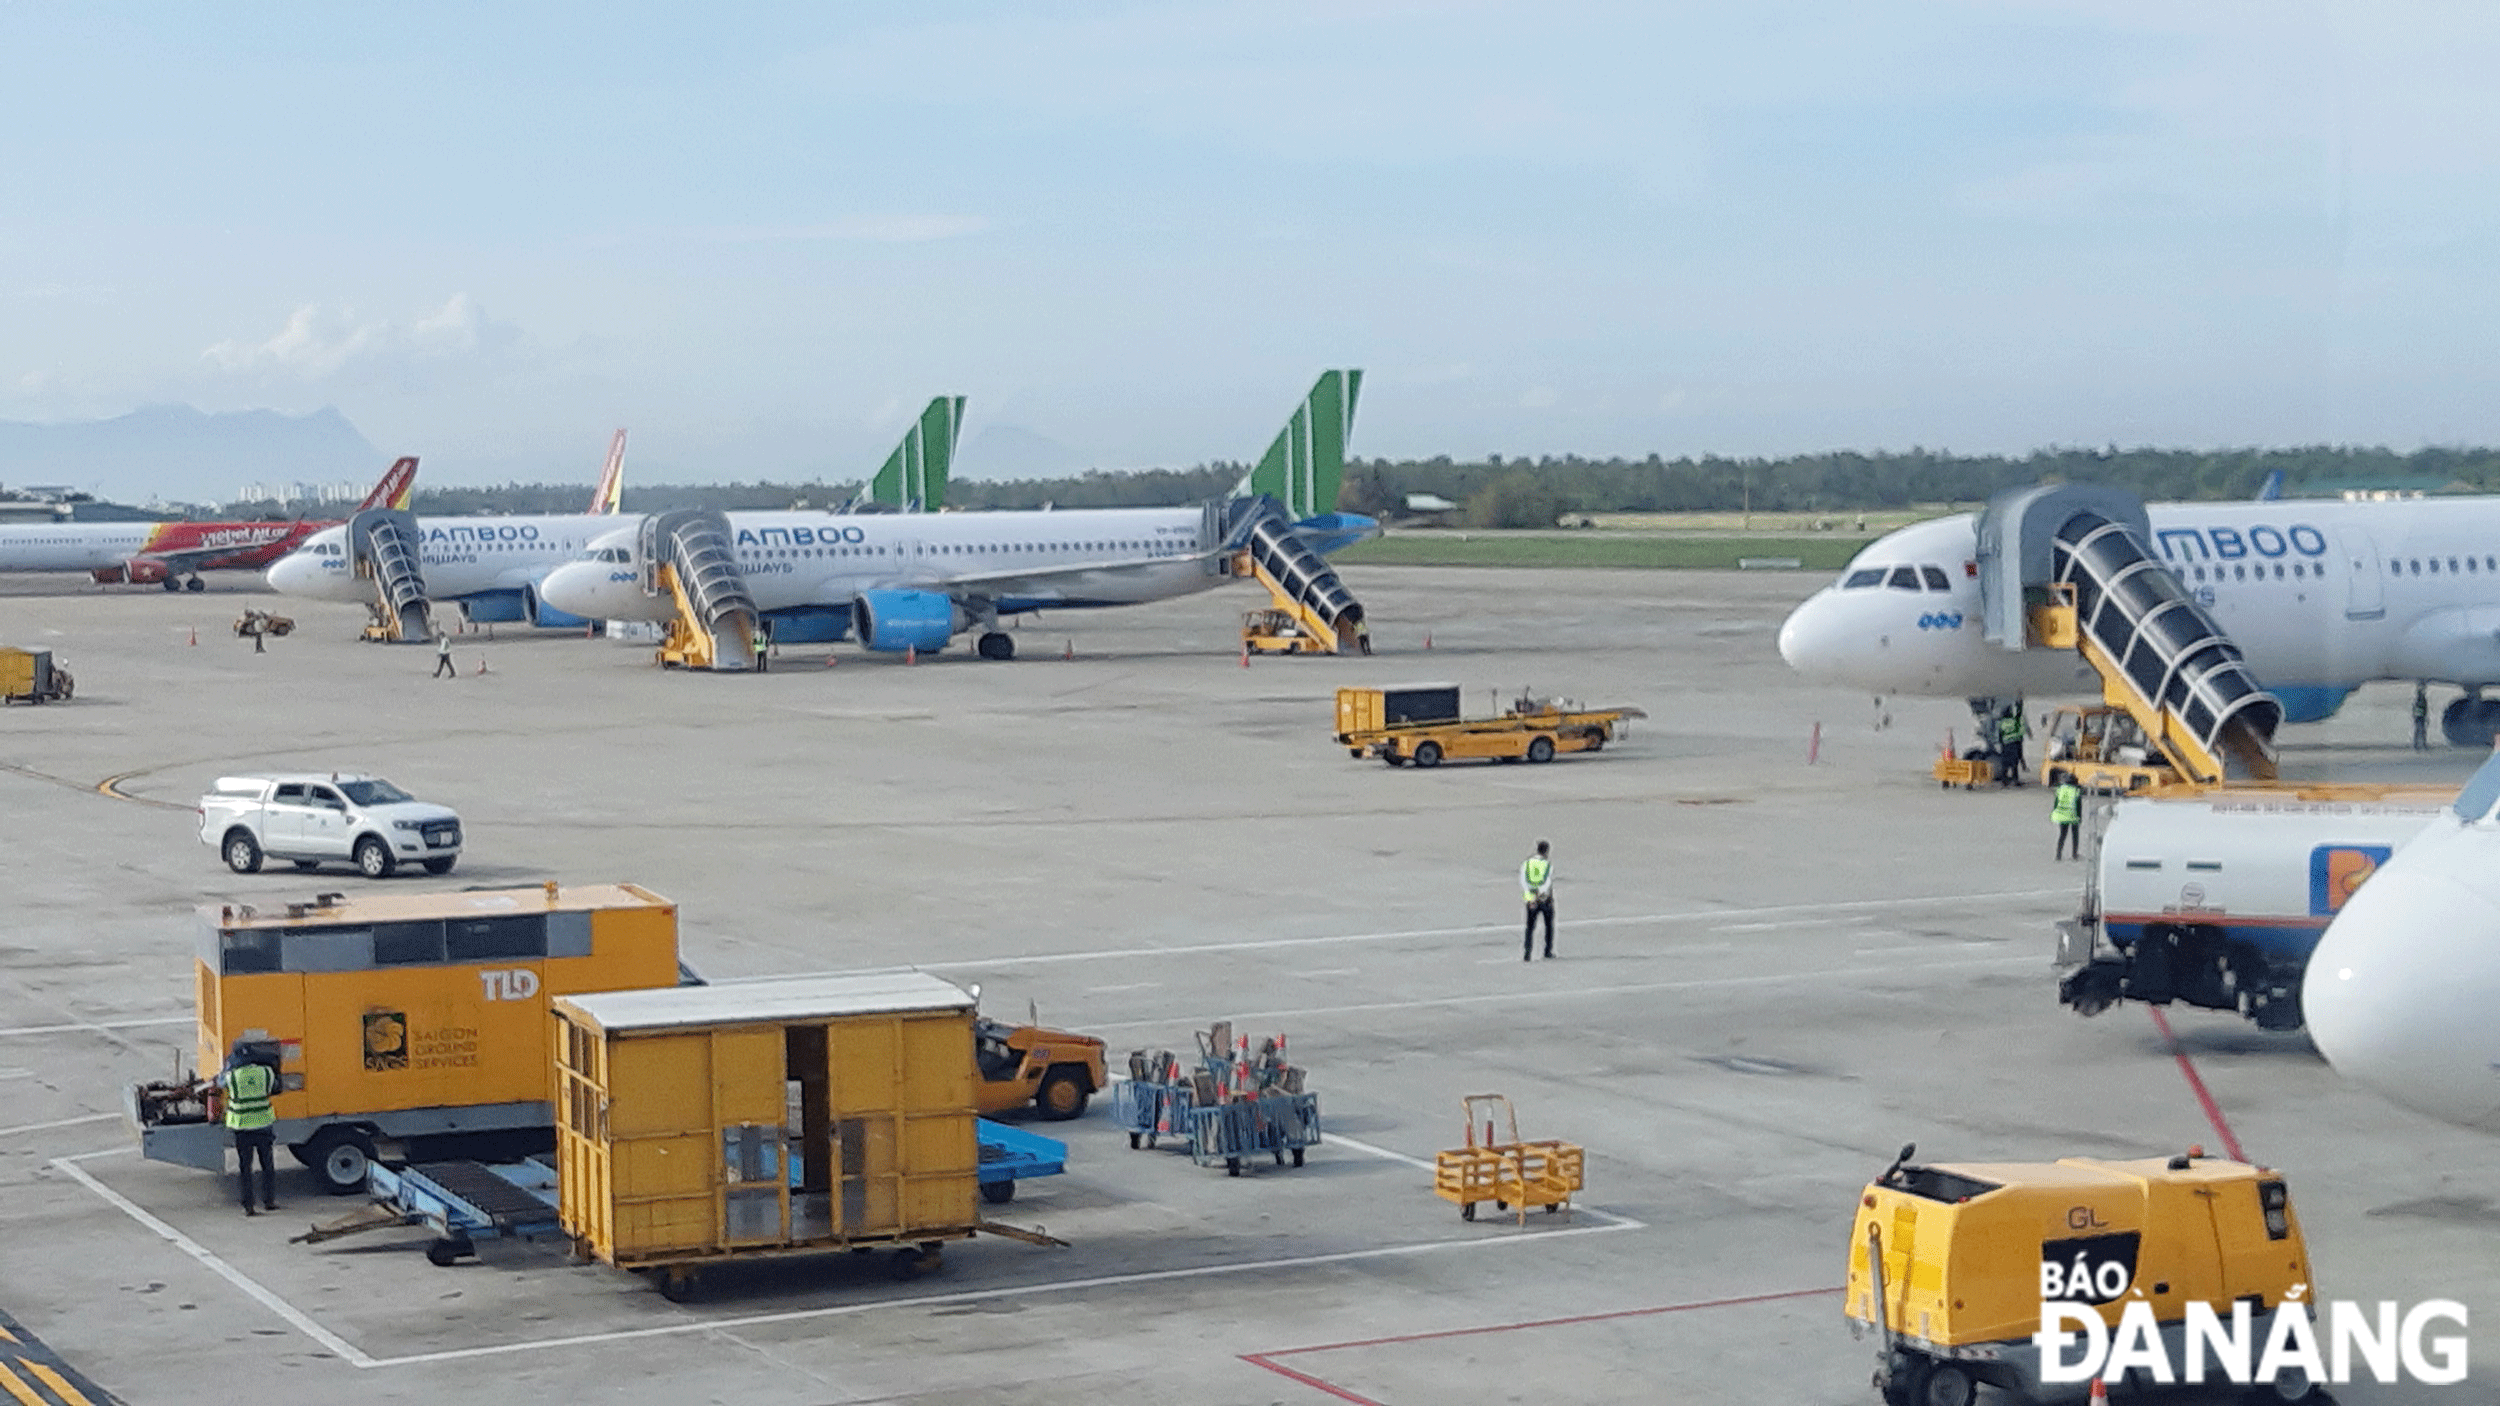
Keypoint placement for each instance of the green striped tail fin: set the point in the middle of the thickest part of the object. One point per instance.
(1305, 465)
(914, 476)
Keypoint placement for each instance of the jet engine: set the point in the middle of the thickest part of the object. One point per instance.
(893, 621)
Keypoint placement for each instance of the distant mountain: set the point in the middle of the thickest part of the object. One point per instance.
(181, 454)
(1010, 451)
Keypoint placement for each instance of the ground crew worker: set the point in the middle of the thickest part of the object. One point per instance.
(763, 643)
(2010, 735)
(2066, 810)
(1536, 885)
(2421, 718)
(442, 657)
(1363, 636)
(248, 1085)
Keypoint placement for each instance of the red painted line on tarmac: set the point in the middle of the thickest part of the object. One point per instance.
(2196, 1085)
(1266, 1359)
(1259, 1359)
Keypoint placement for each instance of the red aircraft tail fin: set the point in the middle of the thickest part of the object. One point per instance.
(611, 490)
(398, 483)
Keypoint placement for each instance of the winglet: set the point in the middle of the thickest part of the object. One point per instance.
(913, 478)
(397, 486)
(1305, 465)
(609, 496)
(2272, 488)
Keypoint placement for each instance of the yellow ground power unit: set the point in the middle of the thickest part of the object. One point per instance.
(707, 1124)
(1951, 1263)
(401, 1018)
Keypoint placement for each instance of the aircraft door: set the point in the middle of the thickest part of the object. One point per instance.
(2365, 584)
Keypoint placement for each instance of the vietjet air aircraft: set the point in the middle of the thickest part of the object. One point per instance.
(174, 554)
(2320, 596)
(915, 581)
(490, 565)
(2400, 992)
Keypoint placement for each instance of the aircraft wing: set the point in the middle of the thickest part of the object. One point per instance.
(1065, 582)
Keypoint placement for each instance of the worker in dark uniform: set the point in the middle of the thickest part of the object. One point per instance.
(2421, 718)
(248, 1084)
(2010, 735)
(1536, 885)
(2066, 811)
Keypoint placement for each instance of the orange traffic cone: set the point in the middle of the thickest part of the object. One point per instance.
(481, 667)
(1245, 654)
(2100, 1389)
(195, 636)
(911, 654)
(1071, 650)
(1427, 639)
(832, 659)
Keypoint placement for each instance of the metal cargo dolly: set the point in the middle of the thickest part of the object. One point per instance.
(1009, 1155)
(1230, 1134)
(461, 1202)
(1235, 1105)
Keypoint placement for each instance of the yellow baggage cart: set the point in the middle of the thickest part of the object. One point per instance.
(1514, 1174)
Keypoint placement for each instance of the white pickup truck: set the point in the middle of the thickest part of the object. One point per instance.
(309, 820)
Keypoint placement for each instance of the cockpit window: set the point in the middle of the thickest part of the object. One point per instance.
(1904, 578)
(1859, 580)
(1935, 578)
(2481, 793)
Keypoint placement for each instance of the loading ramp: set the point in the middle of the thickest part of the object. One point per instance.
(688, 556)
(383, 547)
(2075, 560)
(1312, 611)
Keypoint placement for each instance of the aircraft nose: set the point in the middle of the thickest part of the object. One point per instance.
(579, 588)
(289, 574)
(2399, 992)
(1812, 637)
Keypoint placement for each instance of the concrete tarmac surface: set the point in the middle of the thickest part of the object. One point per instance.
(1770, 975)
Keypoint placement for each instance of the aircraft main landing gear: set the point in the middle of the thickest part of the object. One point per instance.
(997, 644)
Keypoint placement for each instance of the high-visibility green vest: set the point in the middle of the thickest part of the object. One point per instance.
(1532, 875)
(2010, 728)
(2066, 807)
(248, 1087)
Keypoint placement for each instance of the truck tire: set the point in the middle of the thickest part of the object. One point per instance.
(1063, 1093)
(373, 858)
(1427, 753)
(998, 1193)
(1947, 1384)
(339, 1157)
(441, 866)
(1541, 749)
(242, 852)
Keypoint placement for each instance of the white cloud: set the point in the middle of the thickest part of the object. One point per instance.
(322, 343)
(1540, 398)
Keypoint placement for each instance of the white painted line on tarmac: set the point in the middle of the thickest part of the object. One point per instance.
(296, 1317)
(59, 1123)
(1493, 998)
(90, 1027)
(354, 1356)
(1062, 1286)
(1269, 944)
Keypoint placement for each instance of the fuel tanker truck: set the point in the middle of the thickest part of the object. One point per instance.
(2217, 901)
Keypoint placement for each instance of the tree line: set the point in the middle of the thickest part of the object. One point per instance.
(1520, 492)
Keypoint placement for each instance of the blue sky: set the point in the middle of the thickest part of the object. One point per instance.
(761, 236)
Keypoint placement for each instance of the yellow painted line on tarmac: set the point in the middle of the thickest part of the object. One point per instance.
(17, 1387)
(112, 786)
(70, 1395)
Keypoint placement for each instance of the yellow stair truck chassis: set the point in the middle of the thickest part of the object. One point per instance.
(1950, 1263)
(400, 1016)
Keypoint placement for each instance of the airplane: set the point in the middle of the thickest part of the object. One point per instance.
(2401, 988)
(490, 565)
(914, 582)
(2320, 596)
(173, 554)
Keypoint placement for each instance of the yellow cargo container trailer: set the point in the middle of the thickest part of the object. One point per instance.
(727, 1122)
(400, 1017)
